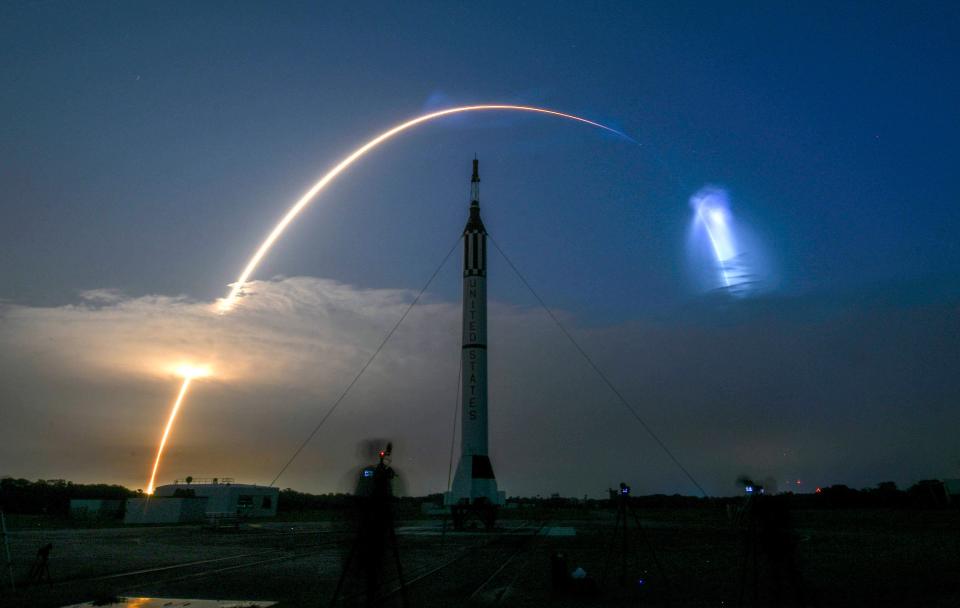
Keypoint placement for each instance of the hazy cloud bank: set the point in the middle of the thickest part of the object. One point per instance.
(790, 388)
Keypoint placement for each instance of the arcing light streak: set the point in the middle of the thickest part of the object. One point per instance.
(166, 431)
(227, 303)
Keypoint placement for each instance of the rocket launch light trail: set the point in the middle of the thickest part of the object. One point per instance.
(188, 373)
(226, 304)
(236, 289)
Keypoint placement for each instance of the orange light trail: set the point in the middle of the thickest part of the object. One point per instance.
(188, 373)
(225, 304)
(166, 431)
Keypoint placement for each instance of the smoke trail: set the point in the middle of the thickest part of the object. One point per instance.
(166, 431)
(225, 304)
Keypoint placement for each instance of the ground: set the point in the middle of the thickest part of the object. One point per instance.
(685, 557)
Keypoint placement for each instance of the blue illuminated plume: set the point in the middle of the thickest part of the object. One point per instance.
(712, 213)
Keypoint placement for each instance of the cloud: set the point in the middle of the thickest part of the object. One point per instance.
(821, 388)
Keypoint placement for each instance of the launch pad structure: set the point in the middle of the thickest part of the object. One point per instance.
(474, 492)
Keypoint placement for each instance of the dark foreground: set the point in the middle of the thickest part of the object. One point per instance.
(687, 557)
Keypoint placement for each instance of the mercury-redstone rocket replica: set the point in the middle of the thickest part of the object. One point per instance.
(474, 486)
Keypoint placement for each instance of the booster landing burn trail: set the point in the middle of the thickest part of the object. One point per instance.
(188, 372)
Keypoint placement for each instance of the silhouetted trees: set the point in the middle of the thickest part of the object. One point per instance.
(52, 496)
(926, 494)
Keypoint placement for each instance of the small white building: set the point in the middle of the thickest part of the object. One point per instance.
(227, 498)
(95, 508)
(164, 510)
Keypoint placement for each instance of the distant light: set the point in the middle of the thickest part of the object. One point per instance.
(749, 489)
(818, 490)
(367, 473)
(640, 581)
(798, 482)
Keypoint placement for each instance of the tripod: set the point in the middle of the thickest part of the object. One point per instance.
(621, 529)
(749, 553)
(767, 530)
(375, 530)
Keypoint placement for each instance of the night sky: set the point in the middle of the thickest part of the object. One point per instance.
(147, 148)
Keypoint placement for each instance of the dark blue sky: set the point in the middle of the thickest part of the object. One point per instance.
(175, 133)
(148, 147)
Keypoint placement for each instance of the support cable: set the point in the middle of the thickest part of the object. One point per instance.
(366, 365)
(599, 372)
(453, 434)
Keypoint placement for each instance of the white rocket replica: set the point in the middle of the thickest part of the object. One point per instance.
(474, 484)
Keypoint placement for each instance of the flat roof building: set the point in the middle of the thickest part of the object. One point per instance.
(226, 497)
(151, 510)
(95, 508)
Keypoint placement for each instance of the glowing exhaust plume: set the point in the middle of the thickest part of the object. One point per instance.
(710, 205)
(227, 303)
(188, 372)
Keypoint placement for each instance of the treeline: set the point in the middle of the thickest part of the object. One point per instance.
(294, 501)
(52, 496)
(926, 494)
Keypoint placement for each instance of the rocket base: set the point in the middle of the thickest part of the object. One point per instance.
(474, 483)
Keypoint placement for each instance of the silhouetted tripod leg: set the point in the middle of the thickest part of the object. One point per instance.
(625, 556)
(744, 564)
(346, 569)
(396, 557)
(797, 581)
(610, 547)
(443, 536)
(756, 574)
(653, 554)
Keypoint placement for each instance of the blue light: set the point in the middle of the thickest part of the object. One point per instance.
(727, 241)
(710, 205)
(749, 489)
(367, 473)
